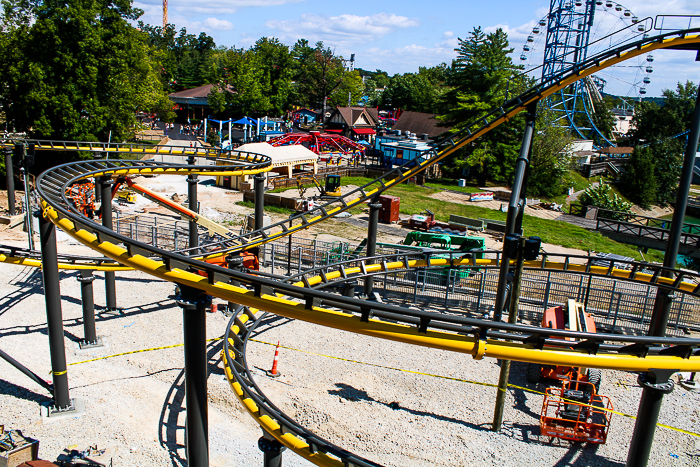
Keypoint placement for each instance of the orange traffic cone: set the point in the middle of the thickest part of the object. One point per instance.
(273, 372)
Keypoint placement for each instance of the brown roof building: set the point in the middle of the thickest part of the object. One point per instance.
(419, 123)
(353, 121)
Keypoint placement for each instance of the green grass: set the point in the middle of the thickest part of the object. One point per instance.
(416, 199)
(449, 184)
(274, 209)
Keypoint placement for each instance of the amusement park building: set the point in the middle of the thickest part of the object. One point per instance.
(354, 122)
(284, 160)
(192, 103)
(419, 123)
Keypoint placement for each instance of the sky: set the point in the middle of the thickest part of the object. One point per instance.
(398, 36)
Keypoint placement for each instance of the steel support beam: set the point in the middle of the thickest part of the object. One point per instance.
(54, 314)
(10, 181)
(194, 304)
(259, 182)
(192, 205)
(512, 319)
(514, 206)
(272, 451)
(86, 294)
(657, 384)
(105, 188)
(374, 207)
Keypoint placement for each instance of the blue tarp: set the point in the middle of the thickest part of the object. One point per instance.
(245, 121)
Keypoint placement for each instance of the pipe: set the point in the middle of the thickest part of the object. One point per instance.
(197, 431)
(10, 182)
(86, 279)
(374, 207)
(29, 373)
(54, 314)
(105, 184)
(514, 205)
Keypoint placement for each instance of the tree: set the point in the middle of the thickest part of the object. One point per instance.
(240, 89)
(549, 159)
(78, 71)
(480, 79)
(658, 128)
(639, 179)
(419, 92)
(320, 76)
(274, 61)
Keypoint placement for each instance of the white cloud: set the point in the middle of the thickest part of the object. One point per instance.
(407, 57)
(221, 7)
(344, 28)
(448, 34)
(217, 24)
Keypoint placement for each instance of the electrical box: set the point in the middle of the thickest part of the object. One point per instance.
(389, 212)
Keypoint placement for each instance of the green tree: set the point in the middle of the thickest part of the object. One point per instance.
(657, 126)
(549, 159)
(240, 90)
(480, 80)
(669, 164)
(274, 61)
(419, 92)
(639, 179)
(321, 76)
(78, 71)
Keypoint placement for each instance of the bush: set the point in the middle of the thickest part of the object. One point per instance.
(599, 195)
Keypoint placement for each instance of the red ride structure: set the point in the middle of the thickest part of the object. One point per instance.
(323, 144)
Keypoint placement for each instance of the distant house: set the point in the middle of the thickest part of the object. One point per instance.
(623, 121)
(193, 103)
(353, 122)
(408, 139)
(304, 116)
(419, 124)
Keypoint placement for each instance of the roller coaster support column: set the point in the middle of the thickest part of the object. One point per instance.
(27, 159)
(86, 279)
(515, 204)
(54, 315)
(10, 180)
(512, 318)
(105, 184)
(194, 303)
(192, 205)
(657, 384)
(259, 205)
(374, 207)
(272, 451)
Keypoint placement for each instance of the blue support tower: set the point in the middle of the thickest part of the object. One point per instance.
(568, 33)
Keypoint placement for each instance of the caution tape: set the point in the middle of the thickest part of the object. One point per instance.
(163, 347)
(478, 383)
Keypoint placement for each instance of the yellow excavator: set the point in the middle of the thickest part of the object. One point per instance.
(331, 190)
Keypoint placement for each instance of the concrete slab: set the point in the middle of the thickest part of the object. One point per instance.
(49, 414)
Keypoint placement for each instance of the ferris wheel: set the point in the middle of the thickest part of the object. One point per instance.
(573, 31)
